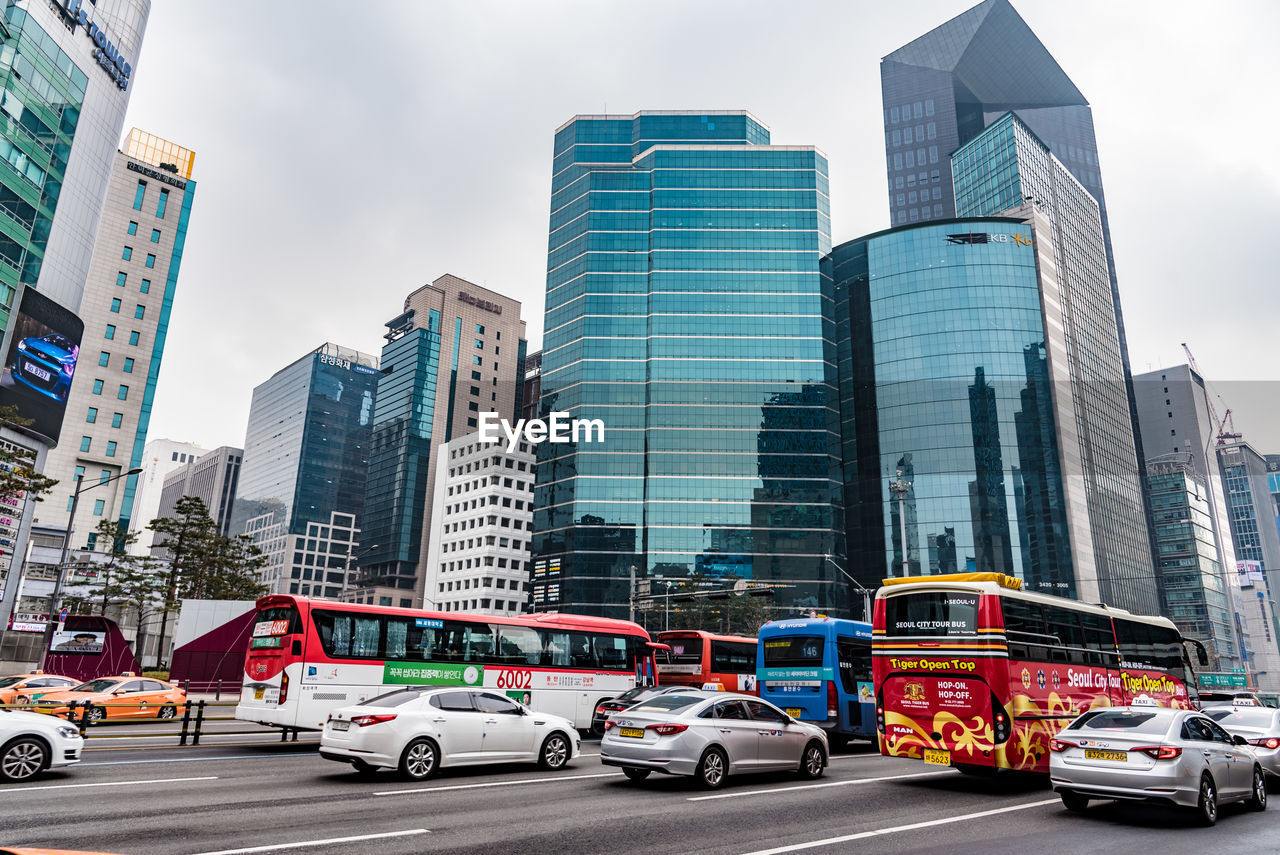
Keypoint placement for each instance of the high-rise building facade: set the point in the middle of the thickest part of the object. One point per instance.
(1257, 552)
(159, 458)
(531, 389)
(133, 280)
(686, 309)
(306, 458)
(1008, 167)
(65, 98)
(212, 478)
(1197, 595)
(481, 525)
(454, 353)
(943, 89)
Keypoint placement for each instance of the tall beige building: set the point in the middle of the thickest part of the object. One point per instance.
(452, 354)
(133, 278)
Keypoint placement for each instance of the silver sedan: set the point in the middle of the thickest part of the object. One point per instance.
(710, 735)
(1154, 754)
(1259, 725)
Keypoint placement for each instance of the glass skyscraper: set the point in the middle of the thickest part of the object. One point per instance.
(686, 308)
(945, 379)
(1008, 167)
(946, 87)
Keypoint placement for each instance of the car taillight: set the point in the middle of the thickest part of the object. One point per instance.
(1061, 745)
(668, 729)
(1161, 752)
(833, 707)
(1266, 743)
(610, 724)
(366, 720)
(284, 688)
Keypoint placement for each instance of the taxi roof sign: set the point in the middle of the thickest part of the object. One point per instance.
(1002, 579)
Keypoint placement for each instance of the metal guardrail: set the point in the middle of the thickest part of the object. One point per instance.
(191, 722)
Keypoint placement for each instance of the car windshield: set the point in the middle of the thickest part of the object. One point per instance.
(1152, 722)
(631, 693)
(395, 699)
(95, 686)
(1258, 717)
(9, 681)
(666, 703)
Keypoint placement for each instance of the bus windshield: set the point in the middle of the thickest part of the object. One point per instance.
(932, 613)
(794, 650)
(685, 649)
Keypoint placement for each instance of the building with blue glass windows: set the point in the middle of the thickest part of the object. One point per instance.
(946, 87)
(686, 308)
(302, 479)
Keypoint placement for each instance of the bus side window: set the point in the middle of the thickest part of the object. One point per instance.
(612, 652)
(581, 654)
(520, 645)
(555, 649)
(397, 638)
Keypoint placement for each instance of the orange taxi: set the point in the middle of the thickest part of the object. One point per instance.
(125, 697)
(24, 688)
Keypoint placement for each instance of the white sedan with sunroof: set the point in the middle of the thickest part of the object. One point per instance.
(423, 729)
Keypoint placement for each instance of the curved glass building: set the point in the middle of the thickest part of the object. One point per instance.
(686, 308)
(945, 380)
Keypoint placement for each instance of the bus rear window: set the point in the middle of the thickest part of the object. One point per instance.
(684, 649)
(931, 614)
(796, 650)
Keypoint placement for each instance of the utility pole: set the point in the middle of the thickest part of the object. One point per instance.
(631, 595)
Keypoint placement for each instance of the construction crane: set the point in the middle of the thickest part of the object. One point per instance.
(1225, 435)
(1221, 425)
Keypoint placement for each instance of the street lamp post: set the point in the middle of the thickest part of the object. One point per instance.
(900, 488)
(55, 601)
(866, 594)
(352, 556)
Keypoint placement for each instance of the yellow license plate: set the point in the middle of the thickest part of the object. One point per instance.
(633, 732)
(1099, 754)
(257, 694)
(794, 712)
(937, 757)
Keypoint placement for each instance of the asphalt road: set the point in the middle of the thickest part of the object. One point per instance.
(228, 799)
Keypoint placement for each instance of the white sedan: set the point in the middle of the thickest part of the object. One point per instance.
(31, 743)
(420, 729)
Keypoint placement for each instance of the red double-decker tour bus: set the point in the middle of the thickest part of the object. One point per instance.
(973, 672)
(307, 657)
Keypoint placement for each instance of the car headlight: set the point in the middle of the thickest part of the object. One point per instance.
(68, 732)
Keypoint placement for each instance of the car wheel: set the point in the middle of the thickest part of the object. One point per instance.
(97, 714)
(22, 758)
(635, 774)
(363, 769)
(712, 769)
(1207, 809)
(813, 761)
(420, 760)
(1258, 801)
(167, 712)
(555, 752)
(1075, 802)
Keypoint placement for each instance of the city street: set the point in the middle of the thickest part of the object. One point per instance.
(221, 799)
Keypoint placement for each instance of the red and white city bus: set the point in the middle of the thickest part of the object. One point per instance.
(970, 671)
(307, 657)
(698, 657)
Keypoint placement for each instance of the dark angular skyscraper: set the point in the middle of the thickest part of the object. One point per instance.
(943, 89)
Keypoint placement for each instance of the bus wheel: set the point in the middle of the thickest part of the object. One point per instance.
(555, 752)
(1075, 802)
(813, 761)
(838, 743)
(635, 774)
(712, 769)
(420, 760)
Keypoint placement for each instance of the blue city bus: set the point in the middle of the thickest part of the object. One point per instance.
(819, 670)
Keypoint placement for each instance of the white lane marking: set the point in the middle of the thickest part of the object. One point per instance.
(495, 784)
(862, 835)
(236, 757)
(274, 846)
(817, 786)
(109, 784)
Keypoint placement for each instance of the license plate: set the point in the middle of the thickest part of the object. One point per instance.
(38, 372)
(632, 732)
(257, 694)
(1099, 754)
(341, 725)
(937, 757)
(794, 712)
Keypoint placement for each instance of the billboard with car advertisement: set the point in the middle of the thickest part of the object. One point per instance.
(44, 347)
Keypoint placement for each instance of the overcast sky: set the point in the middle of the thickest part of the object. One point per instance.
(348, 153)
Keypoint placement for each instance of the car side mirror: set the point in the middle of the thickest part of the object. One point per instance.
(1239, 740)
